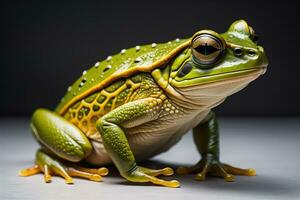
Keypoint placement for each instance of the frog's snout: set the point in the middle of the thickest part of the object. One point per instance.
(264, 58)
(261, 49)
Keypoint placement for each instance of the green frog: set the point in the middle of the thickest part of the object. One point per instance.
(141, 101)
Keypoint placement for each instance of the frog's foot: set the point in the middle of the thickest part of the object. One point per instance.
(142, 174)
(215, 168)
(50, 166)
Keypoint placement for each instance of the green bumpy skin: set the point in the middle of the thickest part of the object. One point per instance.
(116, 143)
(113, 136)
(60, 136)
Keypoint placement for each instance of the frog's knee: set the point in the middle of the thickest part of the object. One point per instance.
(59, 135)
(39, 115)
(102, 123)
(38, 119)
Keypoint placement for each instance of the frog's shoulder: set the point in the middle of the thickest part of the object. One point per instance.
(128, 62)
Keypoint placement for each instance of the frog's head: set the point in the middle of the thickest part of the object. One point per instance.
(225, 62)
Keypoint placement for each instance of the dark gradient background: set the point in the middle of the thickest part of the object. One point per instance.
(46, 46)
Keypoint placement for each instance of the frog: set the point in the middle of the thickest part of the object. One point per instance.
(139, 103)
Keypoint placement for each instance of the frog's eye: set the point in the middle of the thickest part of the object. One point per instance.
(207, 49)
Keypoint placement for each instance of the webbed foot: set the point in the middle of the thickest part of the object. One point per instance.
(142, 174)
(50, 166)
(216, 168)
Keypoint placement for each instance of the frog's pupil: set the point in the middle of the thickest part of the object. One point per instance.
(206, 49)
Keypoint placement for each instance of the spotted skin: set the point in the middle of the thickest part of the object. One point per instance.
(120, 65)
(85, 113)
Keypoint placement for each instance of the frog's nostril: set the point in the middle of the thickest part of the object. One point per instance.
(238, 51)
(261, 49)
(251, 52)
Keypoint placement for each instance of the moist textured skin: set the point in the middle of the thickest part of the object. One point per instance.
(139, 103)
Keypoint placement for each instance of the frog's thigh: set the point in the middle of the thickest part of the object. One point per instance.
(60, 136)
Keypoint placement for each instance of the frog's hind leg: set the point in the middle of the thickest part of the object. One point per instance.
(63, 146)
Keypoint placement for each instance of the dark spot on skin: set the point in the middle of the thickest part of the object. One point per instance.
(185, 70)
(86, 110)
(251, 52)
(206, 49)
(94, 119)
(80, 115)
(137, 60)
(82, 82)
(96, 108)
(107, 68)
(101, 99)
(238, 51)
(128, 86)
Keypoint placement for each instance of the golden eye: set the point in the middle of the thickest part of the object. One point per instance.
(206, 49)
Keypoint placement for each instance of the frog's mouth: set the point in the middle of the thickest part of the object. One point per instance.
(207, 92)
(220, 79)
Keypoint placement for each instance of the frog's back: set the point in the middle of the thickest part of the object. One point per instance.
(113, 82)
(126, 63)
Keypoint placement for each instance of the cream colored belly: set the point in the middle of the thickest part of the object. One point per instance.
(151, 138)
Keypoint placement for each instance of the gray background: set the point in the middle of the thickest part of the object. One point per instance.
(269, 145)
(46, 45)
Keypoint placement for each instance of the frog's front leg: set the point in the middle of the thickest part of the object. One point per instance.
(61, 140)
(206, 137)
(114, 139)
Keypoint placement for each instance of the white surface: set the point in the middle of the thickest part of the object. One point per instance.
(270, 145)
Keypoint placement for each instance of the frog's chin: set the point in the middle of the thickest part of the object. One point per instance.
(210, 92)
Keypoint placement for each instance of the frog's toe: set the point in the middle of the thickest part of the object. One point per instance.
(155, 180)
(219, 170)
(82, 174)
(47, 170)
(223, 170)
(239, 171)
(103, 171)
(91, 174)
(215, 168)
(47, 176)
(167, 171)
(30, 171)
(143, 174)
(202, 175)
(50, 166)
